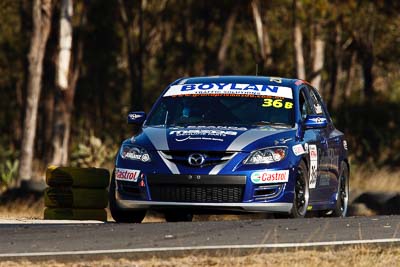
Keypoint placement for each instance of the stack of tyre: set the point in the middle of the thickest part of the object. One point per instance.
(76, 193)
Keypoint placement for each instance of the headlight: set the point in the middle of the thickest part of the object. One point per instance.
(134, 153)
(266, 155)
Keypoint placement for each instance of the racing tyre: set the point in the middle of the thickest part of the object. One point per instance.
(120, 215)
(301, 192)
(77, 177)
(75, 214)
(178, 216)
(342, 200)
(66, 197)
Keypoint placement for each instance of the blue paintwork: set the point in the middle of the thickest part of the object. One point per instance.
(315, 130)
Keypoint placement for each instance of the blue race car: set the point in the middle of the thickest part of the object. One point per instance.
(232, 143)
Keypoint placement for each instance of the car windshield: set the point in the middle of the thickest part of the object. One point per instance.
(222, 110)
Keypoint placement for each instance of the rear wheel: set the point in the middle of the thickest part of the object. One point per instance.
(301, 192)
(342, 198)
(120, 215)
(178, 216)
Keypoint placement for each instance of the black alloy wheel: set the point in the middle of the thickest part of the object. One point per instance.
(301, 192)
(342, 198)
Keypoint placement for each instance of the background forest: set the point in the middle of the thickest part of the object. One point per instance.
(123, 53)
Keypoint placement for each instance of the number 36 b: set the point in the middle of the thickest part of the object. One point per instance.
(276, 103)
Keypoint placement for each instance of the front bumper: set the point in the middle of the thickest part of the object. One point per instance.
(199, 192)
(244, 207)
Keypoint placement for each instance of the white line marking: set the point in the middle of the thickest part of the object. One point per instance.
(30, 221)
(166, 249)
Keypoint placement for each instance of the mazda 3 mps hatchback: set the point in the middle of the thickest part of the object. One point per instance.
(232, 143)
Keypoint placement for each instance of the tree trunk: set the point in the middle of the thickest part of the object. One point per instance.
(17, 121)
(65, 44)
(262, 34)
(135, 68)
(298, 44)
(226, 39)
(41, 29)
(137, 102)
(336, 62)
(65, 96)
(318, 61)
(351, 72)
(367, 62)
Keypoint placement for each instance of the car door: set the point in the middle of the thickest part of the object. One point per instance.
(316, 145)
(329, 153)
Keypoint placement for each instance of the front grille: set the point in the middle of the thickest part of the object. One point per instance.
(211, 157)
(197, 193)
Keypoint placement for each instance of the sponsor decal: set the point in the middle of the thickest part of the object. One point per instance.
(266, 177)
(231, 89)
(318, 120)
(235, 128)
(134, 116)
(306, 147)
(313, 165)
(345, 144)
(202, 134)
(199, 138)
(127, 174)
(298, 150)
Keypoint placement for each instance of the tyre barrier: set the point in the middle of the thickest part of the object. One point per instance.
(76, 193)
(75, 214)
(77, 177)
(69, 197)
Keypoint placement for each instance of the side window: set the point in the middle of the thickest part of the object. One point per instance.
(316, 101)
(305, 107)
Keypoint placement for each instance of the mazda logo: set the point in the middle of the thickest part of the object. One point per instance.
(196, 159)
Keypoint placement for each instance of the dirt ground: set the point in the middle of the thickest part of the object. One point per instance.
(358, 256)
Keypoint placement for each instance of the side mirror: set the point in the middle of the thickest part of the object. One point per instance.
(315, 122)
(136, 117)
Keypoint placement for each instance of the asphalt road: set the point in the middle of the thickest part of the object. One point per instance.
(106, 238)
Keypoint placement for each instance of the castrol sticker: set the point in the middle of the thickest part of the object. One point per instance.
(127, 175)
(269, 177)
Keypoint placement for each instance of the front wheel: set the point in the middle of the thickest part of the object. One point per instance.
(342, 197)
(120, 215)
(301, 192)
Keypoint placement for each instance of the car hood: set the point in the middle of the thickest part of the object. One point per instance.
(212, 138)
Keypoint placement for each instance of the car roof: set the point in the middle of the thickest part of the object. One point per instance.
(293, 83)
